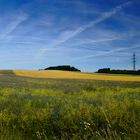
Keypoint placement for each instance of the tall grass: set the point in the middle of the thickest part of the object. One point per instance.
(68, 109)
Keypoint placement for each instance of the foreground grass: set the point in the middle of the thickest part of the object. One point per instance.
(68, 109)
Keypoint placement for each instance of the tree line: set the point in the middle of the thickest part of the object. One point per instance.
(108, 70)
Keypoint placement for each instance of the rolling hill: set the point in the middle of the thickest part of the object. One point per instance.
(69, 75)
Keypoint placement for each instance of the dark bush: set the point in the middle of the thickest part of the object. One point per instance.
(63, 67)
(104, 70)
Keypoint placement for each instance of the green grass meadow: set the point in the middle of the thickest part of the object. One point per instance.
(68, 109)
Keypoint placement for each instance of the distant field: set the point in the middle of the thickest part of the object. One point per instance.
(70, 75)
(58, 105)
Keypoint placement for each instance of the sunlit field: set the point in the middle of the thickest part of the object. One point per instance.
(58, 105)
(70, 75)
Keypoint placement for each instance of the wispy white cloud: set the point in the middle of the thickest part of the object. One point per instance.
(67, 35)
(13, 24)
(104, 53)
(95, 41)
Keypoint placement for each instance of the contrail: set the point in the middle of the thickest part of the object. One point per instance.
(70, 34)
(106, 53)
(13, 25)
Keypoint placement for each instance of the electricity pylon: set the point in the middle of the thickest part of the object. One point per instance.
(134, 61)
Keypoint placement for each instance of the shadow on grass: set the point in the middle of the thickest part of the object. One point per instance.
(11, 72)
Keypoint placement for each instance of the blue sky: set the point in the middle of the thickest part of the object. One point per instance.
(87, 34)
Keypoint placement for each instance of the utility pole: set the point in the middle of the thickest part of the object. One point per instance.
(134, 61)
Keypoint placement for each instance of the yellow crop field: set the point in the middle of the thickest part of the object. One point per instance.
(70, 75)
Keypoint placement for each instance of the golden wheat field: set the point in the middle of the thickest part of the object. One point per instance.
(70, 75)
